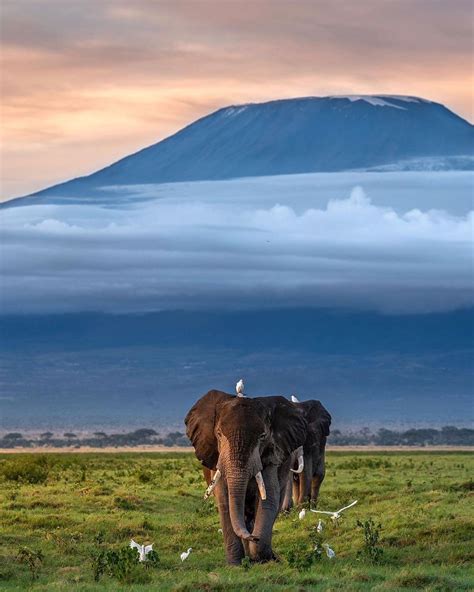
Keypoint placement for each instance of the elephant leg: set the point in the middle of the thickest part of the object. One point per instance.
(234, 549)
(317, 481)
(267, 511)
(296, 482)
(304, 493)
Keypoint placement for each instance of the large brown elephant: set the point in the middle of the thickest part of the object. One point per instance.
(247, 444)
(304, 486)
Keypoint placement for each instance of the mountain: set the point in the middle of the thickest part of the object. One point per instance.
(295, 136)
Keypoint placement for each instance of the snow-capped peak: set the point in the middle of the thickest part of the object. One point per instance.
(373, 100)
(381, 100)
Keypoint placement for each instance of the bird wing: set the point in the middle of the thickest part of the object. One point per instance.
(322, 512)
(347, 507)
(148, 548)
(135, 545)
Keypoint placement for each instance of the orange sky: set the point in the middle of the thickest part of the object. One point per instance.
(84, 83)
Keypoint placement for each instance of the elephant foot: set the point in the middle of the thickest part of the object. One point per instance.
(264, 555)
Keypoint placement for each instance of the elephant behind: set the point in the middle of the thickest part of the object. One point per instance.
(247, 444)
(305, 486)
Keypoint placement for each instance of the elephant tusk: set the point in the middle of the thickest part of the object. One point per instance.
(212, 484)
(261, 485)
(300, 465)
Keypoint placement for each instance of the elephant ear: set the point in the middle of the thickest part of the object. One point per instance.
(315, 412)
(200, 422)
(288, 425)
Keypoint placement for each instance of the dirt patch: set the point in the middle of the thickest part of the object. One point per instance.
(106, 449)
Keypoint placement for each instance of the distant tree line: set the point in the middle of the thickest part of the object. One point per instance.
(446, 436)
(143, 436)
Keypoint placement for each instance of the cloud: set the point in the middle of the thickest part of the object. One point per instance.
(165, 251)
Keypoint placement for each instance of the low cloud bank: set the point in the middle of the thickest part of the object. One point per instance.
(195, 254)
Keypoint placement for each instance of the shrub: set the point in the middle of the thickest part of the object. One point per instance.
(33, 559)
(122, 564)
(371, 549)
(27, 470)
(302, 558)
(145, 476)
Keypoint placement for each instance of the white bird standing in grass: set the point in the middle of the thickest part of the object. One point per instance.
(294, 399)
(143, 550)
(302, 514)
(329, 552)
(185, 554)
(239, 388)
(320, 526)
(335, 515)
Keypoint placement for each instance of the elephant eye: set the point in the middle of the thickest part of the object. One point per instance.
(263, 436)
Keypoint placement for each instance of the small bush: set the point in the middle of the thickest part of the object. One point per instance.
(303, 557)
(371, 549)
(27, 470)
(32, 559)
(145, 476)
(122, 564)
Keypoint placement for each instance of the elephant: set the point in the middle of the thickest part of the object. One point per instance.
(304, 485)
(247, 444)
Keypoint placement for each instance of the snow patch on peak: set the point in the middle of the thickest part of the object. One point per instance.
(377, 101)
(405, 98)
(232, 111)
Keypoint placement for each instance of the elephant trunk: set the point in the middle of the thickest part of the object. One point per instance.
(237, 486)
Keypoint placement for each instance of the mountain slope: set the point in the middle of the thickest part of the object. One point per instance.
(291, 136)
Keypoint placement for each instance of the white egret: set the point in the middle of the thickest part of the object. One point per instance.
(185, 554)
(239, 388)
(302, 514)
(143, 550)
(320, 526)
(335, 515)
(329, 552)
(294, 399)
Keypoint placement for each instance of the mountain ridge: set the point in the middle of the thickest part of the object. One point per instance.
(290, 136)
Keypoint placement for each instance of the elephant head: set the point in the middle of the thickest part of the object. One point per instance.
(247, 444)
(307, 483)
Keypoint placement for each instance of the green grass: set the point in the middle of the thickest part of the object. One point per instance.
(423, 501)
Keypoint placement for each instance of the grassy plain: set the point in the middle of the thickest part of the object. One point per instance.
(79, 507)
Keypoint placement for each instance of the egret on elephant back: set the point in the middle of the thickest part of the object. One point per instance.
(247, 447)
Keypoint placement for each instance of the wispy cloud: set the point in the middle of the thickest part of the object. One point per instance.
(197, 253)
